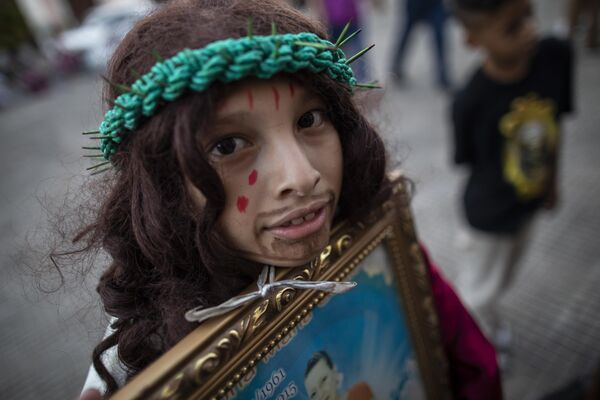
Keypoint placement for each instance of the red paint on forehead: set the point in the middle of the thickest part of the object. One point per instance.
(276, 95)
(291, 89)
(252, 177)
(250, 99)
(242, 203)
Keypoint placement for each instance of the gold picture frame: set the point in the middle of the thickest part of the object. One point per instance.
(225, 355)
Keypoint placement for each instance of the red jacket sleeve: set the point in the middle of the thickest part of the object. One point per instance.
(474, 372)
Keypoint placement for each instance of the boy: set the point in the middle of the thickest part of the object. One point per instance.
(507, 131)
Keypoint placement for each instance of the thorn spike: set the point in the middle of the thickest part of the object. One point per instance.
(91, 148)
(315, 45)
(90, 132)
(115, 104)
(273, 28)
(249, 27)
(349, 37)
(101, 137)
(97, 165)
(368, 86)
(93, 155)
(342, 34)
(359, 54)
(101, 171)
(122, 88)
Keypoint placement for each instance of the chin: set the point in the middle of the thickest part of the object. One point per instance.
(292, 254)
(285, 261)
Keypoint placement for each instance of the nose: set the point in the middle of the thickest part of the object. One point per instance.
(295, 172)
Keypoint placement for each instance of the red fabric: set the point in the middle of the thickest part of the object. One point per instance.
(474, 372)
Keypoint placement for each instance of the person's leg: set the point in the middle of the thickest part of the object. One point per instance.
(573, 12)
(404, 36)
(593, 34)
(483, 261)
(519, 245)
(438, 25)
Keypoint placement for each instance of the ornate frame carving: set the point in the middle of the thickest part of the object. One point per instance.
(215, 357)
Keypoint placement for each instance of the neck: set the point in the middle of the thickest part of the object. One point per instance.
(506, 73)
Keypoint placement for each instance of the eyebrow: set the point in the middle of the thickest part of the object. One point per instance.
(243, 114)
(235, 116)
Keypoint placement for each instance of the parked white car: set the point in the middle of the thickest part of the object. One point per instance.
(102, 29)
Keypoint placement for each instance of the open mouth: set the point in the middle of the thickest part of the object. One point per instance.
(301, 226)
(299, 221)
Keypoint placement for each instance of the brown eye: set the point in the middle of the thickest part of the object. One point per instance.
(227, 146)
(311, 119)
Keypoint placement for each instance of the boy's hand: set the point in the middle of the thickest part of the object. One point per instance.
(91, 394)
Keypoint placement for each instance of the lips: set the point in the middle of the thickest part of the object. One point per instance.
(302, 222)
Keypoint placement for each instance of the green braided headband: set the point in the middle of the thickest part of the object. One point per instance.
(225, 61)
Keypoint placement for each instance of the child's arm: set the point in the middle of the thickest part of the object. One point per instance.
(474, 372)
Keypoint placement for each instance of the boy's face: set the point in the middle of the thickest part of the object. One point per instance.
(321, 382)
(280, 161)
(508, 36)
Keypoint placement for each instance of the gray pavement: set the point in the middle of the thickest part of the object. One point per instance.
(46, 340)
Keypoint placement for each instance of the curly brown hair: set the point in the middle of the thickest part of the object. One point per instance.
(167, 255)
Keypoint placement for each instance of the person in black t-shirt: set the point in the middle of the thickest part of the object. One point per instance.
(506, 123)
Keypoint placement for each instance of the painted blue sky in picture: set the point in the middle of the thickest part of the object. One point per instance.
(364, 333)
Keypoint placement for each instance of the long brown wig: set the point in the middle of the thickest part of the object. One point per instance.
(166, 255)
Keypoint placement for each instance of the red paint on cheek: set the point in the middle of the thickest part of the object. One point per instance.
(276, 95)
(250, 100)
(242, 203)
(252, 177)
(291, 89)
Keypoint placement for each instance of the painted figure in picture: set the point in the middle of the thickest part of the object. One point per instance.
(322, 381)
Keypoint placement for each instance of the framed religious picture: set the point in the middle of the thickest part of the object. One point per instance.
(379, 340)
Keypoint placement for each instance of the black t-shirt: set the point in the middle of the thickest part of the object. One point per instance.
(507, 134)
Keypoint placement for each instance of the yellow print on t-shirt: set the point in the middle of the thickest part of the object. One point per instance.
(531, 133)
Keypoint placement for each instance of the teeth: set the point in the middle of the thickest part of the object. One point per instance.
(300, 220)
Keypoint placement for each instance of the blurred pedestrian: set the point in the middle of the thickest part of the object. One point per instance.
(589, 9)
(506, 124)
(433, 13)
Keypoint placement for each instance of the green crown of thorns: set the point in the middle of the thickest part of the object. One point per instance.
(225, 61)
